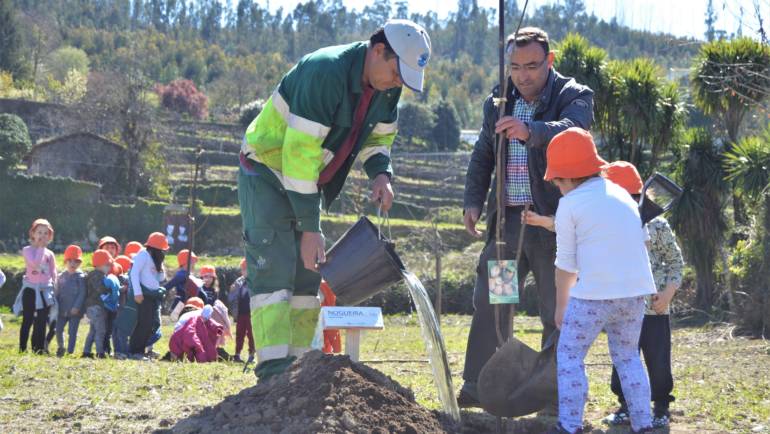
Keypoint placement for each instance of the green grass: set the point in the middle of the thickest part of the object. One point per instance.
(722, 384)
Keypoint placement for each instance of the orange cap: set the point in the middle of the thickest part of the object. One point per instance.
(184, 255)
(132, 248)
(208, 270)
(117, 269)
(73, 253)
(157, 240)
(108, 240)
(101, 258)
(194, 302)
(40, 222)
(124, 262)
(572, 154)
(625, 175)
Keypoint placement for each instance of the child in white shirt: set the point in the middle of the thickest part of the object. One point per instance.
(600, 238)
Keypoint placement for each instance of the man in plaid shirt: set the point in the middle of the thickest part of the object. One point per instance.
(540, 104)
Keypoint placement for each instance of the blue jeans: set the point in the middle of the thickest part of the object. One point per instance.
(97, 316)
(72, 322)
(119, 340)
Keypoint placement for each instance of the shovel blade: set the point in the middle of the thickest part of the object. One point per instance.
(518, 380)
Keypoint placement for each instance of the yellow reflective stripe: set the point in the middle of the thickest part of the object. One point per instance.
(305, 125)
(271, 324)
(302, 156)
(303, 326)
(371, 151)
(385, 128)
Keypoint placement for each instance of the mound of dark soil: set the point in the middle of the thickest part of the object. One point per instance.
(327, 394)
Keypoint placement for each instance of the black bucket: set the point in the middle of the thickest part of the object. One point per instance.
(361, 264)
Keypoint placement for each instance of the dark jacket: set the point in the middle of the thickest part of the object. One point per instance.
(239, 298)
(95, 287)
(563, 104)
(71, 292)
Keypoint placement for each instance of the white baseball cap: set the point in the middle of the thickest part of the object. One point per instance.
(411, 43)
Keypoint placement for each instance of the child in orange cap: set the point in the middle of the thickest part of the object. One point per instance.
(36, 296)
(70, 295)
(655, 339)
(184, 283)
(110, 244)
(210, 283)
(600, 239)
(95, 311)
(145, 295)
(132, 248)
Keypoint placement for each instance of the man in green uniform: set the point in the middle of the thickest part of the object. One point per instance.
(337, 104)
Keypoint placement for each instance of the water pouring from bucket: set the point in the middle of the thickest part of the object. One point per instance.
(363, 263)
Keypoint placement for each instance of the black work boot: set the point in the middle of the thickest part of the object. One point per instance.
(468, 396)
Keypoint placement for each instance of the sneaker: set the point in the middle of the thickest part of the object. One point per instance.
(138, 356)
(152, 355)
(620, 417)
(60, 352)
(237, 358)
(87, 356)
(661, 419)
(120, 356)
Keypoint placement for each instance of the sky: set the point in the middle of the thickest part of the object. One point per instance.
(678, 17)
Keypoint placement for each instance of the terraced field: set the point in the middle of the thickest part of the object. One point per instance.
(426, 184)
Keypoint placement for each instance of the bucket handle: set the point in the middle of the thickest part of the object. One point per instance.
(382, 216)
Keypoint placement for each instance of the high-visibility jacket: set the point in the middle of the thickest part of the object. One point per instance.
(309, 116)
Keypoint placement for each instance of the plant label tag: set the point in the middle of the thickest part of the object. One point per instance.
(503, 281)
(337, 318)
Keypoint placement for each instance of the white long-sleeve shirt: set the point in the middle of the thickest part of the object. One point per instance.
(599, 236)
(143, 272)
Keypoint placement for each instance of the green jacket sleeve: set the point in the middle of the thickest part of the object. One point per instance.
(375, 152)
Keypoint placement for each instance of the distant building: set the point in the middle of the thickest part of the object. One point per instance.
(81, 156)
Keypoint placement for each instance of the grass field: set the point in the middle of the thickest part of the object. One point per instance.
(722, 383)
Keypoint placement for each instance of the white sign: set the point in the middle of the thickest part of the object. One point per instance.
(351, 318)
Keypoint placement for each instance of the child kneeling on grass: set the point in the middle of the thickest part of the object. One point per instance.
(599, 237)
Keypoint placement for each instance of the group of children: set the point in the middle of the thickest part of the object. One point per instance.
(121, 296)
(614, 273)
